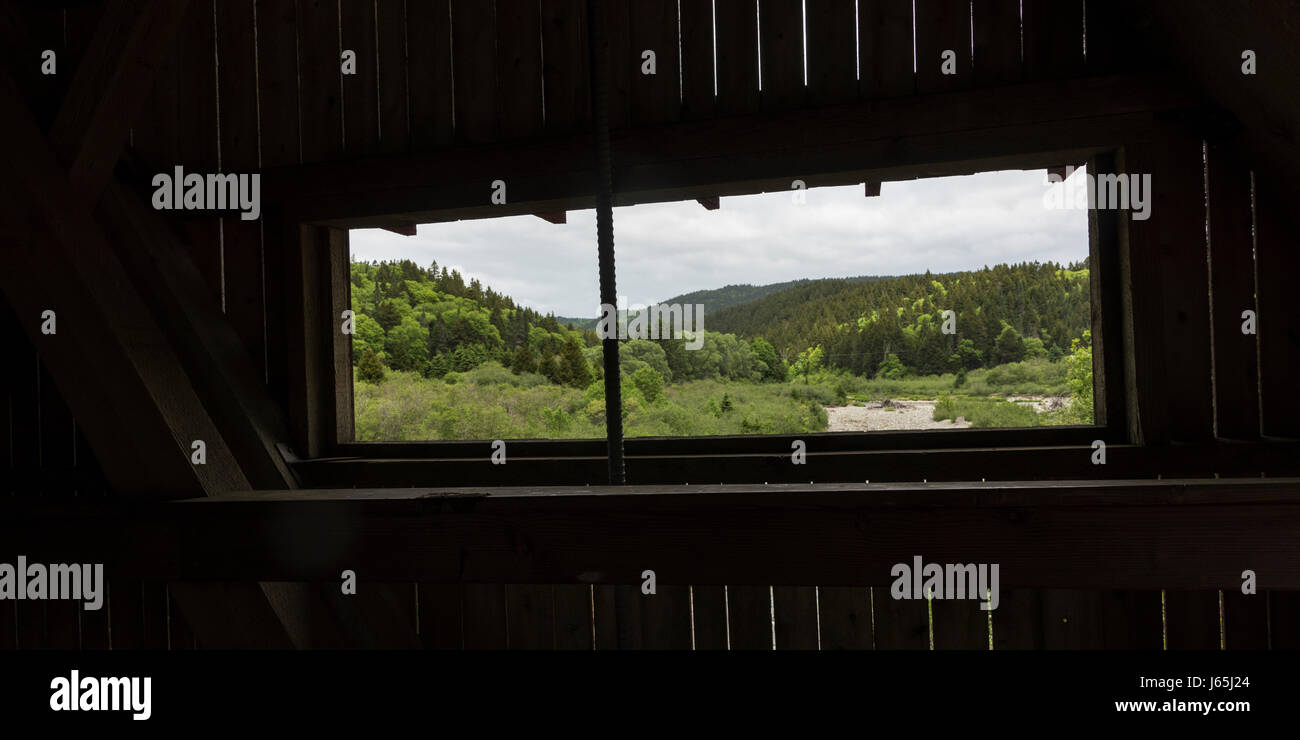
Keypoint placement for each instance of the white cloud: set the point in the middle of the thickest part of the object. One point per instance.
(666, 249)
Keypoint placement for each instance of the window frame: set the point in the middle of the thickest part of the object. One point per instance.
(322, 251)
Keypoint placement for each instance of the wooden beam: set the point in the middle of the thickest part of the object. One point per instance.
(872, 189)
(896, 465)
(921, 136)
(1177, 534)
(402, 229)
(135, 403)
(710, 204)
(558, 217)
(111, 84)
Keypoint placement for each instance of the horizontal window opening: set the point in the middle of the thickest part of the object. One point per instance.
(947, 303)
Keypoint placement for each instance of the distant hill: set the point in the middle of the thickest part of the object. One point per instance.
(859, 322)
(717, 300)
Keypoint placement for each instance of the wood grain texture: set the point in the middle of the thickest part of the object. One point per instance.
(943, 26)
(996, 33)
(1169, 286)
(1232, 275)
(844, 616)
(780, 25)
(736, 27)
(885, 48)
(429, 74)
(655, 98)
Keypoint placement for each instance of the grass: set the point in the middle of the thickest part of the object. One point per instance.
(490, 402)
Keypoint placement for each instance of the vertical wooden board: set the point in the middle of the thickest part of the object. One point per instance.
(57, 459)
(31, 632)
(1109, 315)
(342, 423)
(899, 624)
(605, 616)
(960, 624)
(1232, 290)
(795, 611)
(180, 636)
(1018, 620)
(57, 443)
(12, 335)
(1093, 620)
(996, 33)
(655, 98)
(1169, 285)
(154, 611)
(573, 617)
(8, 625)
(1192, 620)
(832, 51)
(439, 621)
(844, 618)
(1073, 620)
(125, 614)
(484, 617)
(565, 70)
(429, 84)
(241, 240)
(749, 614)
(279, 233)
(1284, 620)
(519, 67)
(306, 322)
(320, 80)
(736, 30)
(94, 624)
(885, 46)
(196, 122)
(697, 58)
(360, 90)
(1245, 620)
(709, 617)
(1277, 255)
(277, 82)
(1053, 38)
(474, 67)
(666, 618)
(394, 111)
(624, 61)
(943, 26)
(530, 615)
(628, 611)
(155, 135)
(1131, 620)
(780, 33)
(1107, 45)
(25, 409)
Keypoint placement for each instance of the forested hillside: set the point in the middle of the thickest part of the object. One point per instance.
(1005, 313)
(437, 358)
(428, 321)
(720, 299)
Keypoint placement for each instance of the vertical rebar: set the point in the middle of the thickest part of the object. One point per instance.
(598, 53)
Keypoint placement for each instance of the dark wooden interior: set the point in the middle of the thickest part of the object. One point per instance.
(177, 326)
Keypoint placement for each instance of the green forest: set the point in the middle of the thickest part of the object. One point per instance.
(436, 357)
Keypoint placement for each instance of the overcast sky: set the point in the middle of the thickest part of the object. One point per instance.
(664, 250)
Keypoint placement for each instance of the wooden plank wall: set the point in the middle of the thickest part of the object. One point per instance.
(437, 73)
